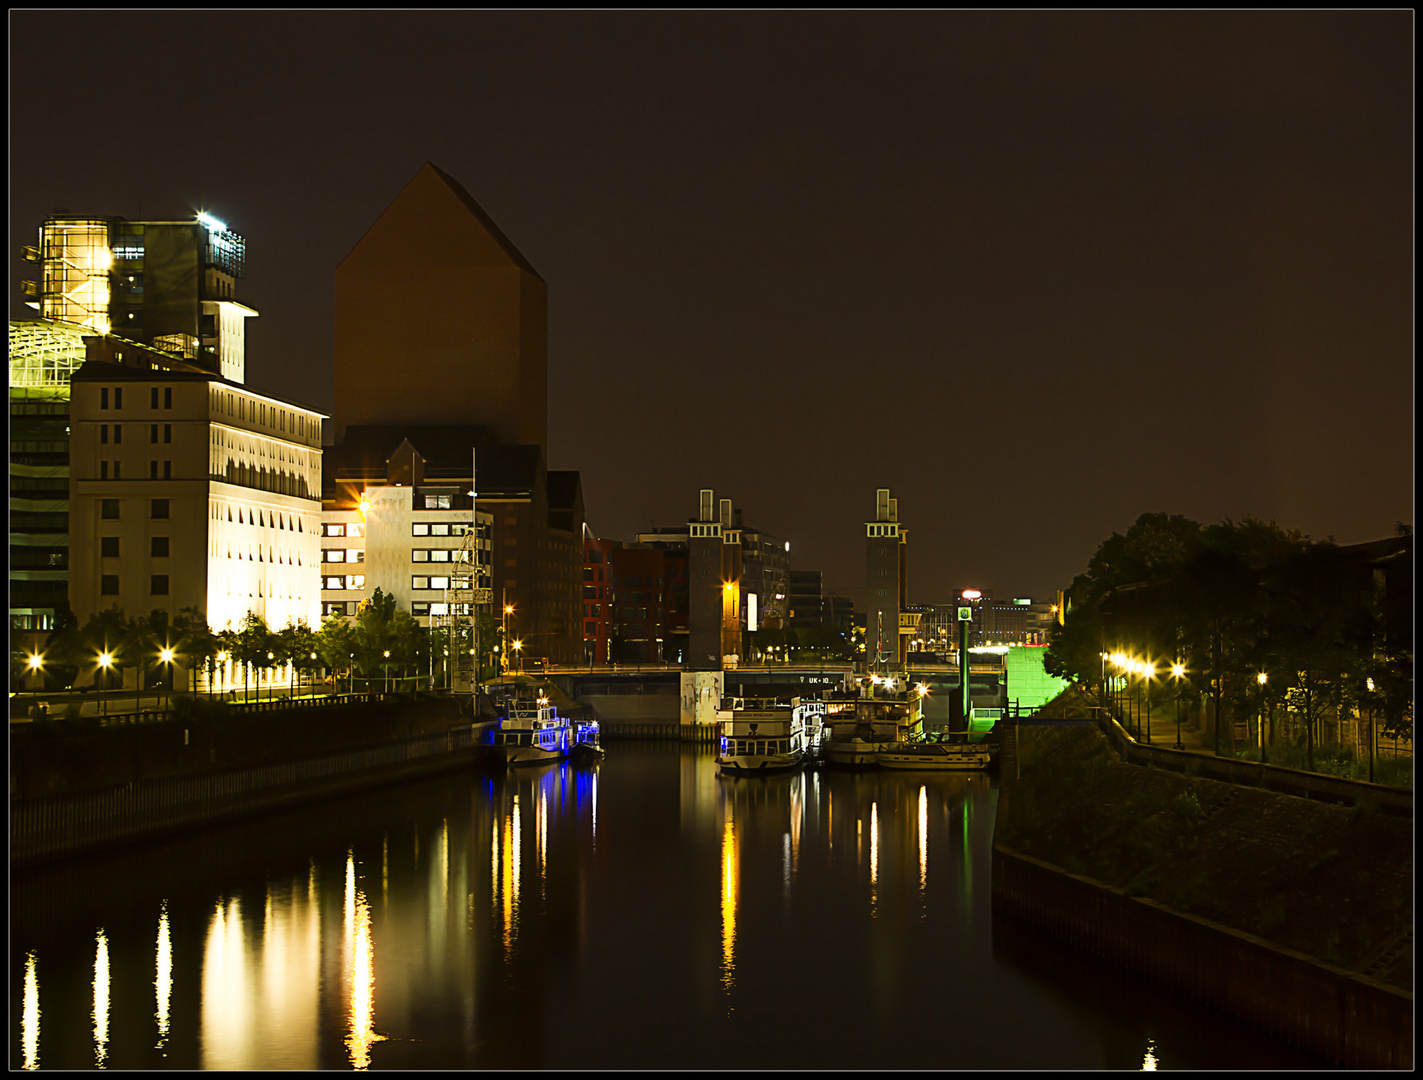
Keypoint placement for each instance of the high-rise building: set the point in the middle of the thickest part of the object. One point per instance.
(441, 320)
(886, 584)
(807, 599)
(441, 340)
(169, 284)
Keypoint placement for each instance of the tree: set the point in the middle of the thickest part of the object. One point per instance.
(196, 642)
(335, 643)
(296, 645)
(251, 644)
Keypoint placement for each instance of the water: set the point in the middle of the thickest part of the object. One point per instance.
(643, 913)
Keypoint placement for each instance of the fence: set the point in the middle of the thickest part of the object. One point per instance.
(48, 827)
(1252, 773)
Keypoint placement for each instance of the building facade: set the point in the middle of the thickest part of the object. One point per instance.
(188, 490)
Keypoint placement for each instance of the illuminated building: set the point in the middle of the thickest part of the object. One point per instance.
(533, 520)
(887, 579)
(168, 284)
(189, 490)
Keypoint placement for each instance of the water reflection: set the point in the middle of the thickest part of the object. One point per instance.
(101, 999)
(709, 905)
(30, 1017)
(163, 976)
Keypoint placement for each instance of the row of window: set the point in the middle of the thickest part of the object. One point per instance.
(119, 433)
(268, 519)
(119, 397)
(157, 548)
(152, 470)
(758, 746)
(419, 607)
(109, 584)
(345, 555)
(439, 583)
(157, 509)
(350, 581)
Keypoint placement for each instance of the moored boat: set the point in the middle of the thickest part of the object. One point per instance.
(761, 735)
(586, 744)
(882, 713)
(531, 732)
(937, 754)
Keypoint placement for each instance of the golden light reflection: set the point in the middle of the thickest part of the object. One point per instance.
(730, 885)
(923, 838)
(226, 1025)
(163, 978)
(510, 875)
(101, 998)
(361, 953)
(1148, 1063)
(30, 1016)
(874, 853)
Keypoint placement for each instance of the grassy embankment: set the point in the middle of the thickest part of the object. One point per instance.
(1328, 881)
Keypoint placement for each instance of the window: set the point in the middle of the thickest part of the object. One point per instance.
(420, 555)
(159, 549)
(109, 509)
(355, 554)
(167, 470)
(103, 470)
(590, 629)
(153, 397)
(356, 581)
(333, 607)
(333, 530)
(118, 399)
(333, 583)
(153, 470)
(103, 433)
(167, 433)
(153, 433)
(439, 583)
(118, 433)
(109, 547)
(333, 555)
(440, 528)
(160, 509)
(420, 529)
(167, 397)
(440, 555)
(355, 528)
(419, 582)
(109, 584)
(103, 397)
(437, 502)
(160, 585)
(418, 607)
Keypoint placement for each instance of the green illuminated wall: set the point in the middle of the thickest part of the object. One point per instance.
(1028, 684)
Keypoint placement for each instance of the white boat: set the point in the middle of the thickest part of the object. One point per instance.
(760, 735)
(531, 732)
(937, 755)
(858, 728)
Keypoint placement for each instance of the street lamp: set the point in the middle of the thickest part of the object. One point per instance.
(1177, 670)
(1260, 720)
(387, 671)
(1373, 733)
(518, 648)
(106, 661)
(165, 656)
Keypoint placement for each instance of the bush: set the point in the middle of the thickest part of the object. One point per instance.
(197, 710)
(1188, 808)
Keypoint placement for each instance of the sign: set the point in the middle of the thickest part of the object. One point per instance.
(965, 614)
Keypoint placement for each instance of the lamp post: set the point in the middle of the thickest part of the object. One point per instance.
(504, 632)
(1260, 720)
(35, 663)
(271, 689)
(165, 656)
(518, 648)
(1148, 672)
(1177, 670)
(1373, 735)
(106, 661)
(387, 671)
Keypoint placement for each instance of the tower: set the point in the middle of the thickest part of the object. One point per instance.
(887, 584)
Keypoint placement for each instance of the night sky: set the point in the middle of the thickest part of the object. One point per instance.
(1036, 272)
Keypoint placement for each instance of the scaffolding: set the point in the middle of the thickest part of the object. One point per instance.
(75, 260)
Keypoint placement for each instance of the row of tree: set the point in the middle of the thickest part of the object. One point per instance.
(381, 641)
(1233, 601)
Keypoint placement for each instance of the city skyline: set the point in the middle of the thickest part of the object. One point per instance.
(1038, 273)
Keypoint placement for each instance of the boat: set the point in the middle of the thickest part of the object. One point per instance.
(879, 714)
(761, 735)
(586, 744)
(531, 732)
(936, 754)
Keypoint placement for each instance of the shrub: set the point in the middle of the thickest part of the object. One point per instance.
(1188, 808)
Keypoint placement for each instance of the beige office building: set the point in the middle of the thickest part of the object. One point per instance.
(188, 490)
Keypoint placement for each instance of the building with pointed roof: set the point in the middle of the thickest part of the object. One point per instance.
(440, 320)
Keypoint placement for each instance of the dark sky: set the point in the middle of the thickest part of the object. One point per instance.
(1036, 272)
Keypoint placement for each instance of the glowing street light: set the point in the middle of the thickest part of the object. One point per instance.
(387, 671)
(518, 648)
(1178, 670)
(1262, 679)
(165, 657)
(106, 661)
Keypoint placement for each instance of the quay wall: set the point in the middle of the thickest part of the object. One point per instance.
(48, 828)
(1339, 1014)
